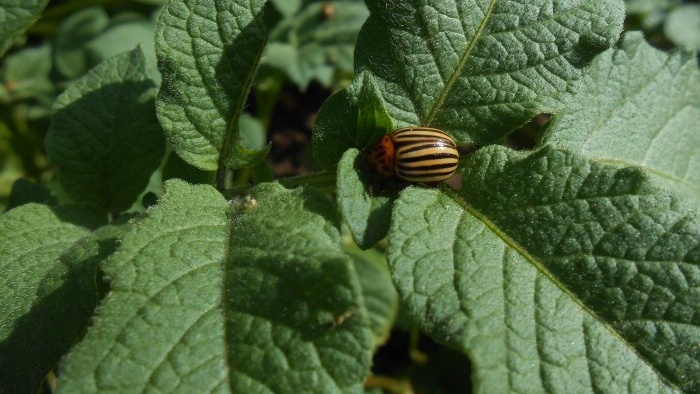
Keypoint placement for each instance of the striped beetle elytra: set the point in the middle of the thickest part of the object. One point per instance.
(415, 154)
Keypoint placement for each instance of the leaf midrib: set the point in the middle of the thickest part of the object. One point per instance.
(231, 134)
(462, 63)
(510, 242)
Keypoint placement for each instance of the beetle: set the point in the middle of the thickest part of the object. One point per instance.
(415, 154)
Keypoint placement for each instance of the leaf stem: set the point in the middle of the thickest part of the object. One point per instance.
(414, 353)
(389, 384)
(223, 178)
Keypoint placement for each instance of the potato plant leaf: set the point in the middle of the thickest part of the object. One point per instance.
(47, 289)
(682, 26)
(367, 212)
(124, 35)
(476, 69)
(104, 137)
(555, 274)
(380, 297)
(208, 52)
(638, 106)
(25, 73)
(15, 17)
(25, 191)
(310, 45)
(70, 55)
(249, 297)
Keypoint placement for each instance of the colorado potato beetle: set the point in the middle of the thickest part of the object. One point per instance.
(415, 154)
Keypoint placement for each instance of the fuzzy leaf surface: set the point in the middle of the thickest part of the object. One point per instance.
(555, 274)
(209, 297)
(639, 107)
(366, 213)
(104, 136)
(475, 69)
(46, 293)
(208, 52)
(15, 17)
(380, 297)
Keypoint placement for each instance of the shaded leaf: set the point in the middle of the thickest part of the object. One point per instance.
(209, 297)
(308, 44)
(25, 191)
(175, 167)
(70, 55)
(47, 289)
(26, 73)
(15, 17)
(380, 297)
(366, 211)
(104, 138)
(554, 273)
(638, 107)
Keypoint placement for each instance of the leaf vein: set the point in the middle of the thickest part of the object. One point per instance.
(462, 63)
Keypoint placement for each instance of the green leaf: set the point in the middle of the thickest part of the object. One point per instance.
(70, 55)
(252, 133)
(123, 37)
(250, 298)
(380, 297)
(651, 12)
(25, 191)
(308, 46)
(104, 137)
(175, 167)
(15, 17)
(682, 26)
(366, 210)
(47, 289)
(153, 2)
(555, 274)
(364, 201)
(287, 7)
(638, 107)
(26, 73)
(208, 51)
(476, 70)
(360, 110)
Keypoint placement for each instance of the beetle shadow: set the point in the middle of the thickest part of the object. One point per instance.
(382, 194)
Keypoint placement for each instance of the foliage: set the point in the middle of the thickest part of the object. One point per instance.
(147, 245)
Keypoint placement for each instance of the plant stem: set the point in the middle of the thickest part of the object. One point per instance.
(389, 384)
(416, 355)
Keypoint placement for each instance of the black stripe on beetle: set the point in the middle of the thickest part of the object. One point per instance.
(418, 154)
